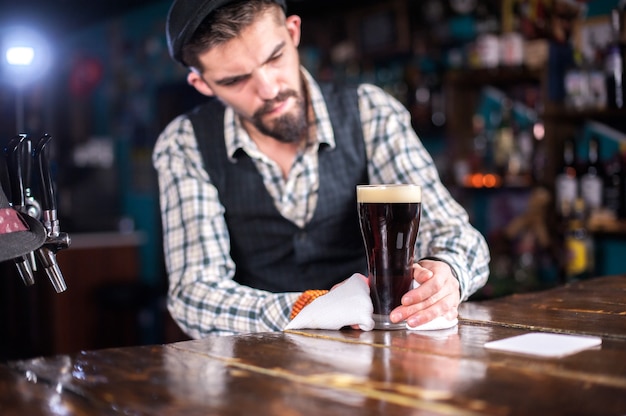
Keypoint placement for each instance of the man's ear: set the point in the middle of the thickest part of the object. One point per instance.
(195, 80)
(293, 24)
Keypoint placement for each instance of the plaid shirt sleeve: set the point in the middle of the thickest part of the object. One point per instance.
(397, 156)
(203, 298)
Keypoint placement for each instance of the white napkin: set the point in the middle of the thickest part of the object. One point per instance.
(439, 322)
(347, 304)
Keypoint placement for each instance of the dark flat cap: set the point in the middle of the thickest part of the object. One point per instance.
(185, 16)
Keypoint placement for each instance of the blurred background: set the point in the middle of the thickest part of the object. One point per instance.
(495, 88)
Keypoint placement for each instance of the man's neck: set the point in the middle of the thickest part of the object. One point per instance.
(282, 153)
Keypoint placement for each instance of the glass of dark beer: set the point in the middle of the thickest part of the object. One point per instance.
(390, 217)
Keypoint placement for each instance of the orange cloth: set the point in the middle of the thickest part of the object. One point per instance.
(305, 298)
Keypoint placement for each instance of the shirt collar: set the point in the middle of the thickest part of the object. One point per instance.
(237, 138)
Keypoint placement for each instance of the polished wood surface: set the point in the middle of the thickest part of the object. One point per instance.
(592, 307)
(349, 372)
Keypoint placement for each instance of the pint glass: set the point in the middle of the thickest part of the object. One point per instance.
(390, 217)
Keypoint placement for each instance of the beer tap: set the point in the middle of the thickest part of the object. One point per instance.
(55, 239)
(18, 154)
(31, 205)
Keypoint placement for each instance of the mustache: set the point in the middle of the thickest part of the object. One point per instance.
(270, 104)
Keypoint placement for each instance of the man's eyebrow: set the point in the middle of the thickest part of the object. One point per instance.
(229, 80)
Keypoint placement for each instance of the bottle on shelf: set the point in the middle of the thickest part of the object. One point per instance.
(613, 186)
(592, 179)
(596, 78)
(622, 195)
(576, 83)
(540, 157)
(480, 144)
(614, 64)
(481, 172)
(519, 166)
(504, 139)
(566, 182)
(578, 244)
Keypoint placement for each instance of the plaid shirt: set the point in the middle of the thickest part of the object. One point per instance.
(203, 297)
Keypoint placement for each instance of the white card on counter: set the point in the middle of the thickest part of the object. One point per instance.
(545, 344)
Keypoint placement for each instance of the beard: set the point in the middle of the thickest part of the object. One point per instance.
(288, 128)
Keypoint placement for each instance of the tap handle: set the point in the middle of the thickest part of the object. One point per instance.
(31, 206)
(48, 202)
(14, 153)
(19, 164)
(27, 160)
(56, 240)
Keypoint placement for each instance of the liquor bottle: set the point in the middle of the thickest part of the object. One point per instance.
(539, 161)
(578, 245)
(614, 64)
(622, 158)
(524, 151)
(480, 145)
(592, 180)
(566, 183)
(613, 186)
(596, 76)
(504, 139)
(576, 83)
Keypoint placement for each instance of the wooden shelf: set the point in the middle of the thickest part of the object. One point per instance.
(558, 112)
(613, 228)
(493, 76)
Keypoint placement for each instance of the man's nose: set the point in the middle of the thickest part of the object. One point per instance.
(266, 85)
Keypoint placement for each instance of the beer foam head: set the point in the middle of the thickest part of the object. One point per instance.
(389, 193)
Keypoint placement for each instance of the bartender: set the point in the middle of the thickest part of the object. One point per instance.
(257, 186)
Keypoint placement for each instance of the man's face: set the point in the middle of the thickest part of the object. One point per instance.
(258, 74)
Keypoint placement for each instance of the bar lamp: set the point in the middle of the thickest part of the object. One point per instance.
(26, 59)
(20, 56)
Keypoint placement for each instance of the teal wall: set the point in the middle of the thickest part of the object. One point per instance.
(600, 7)
(131, 52)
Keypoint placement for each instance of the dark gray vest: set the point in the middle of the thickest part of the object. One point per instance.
(270, 252)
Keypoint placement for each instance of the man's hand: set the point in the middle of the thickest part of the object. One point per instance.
(437, 295)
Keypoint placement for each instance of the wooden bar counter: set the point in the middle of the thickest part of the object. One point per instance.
(348, 372)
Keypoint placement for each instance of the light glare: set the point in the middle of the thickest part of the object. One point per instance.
(25, 55)
(20, 55)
